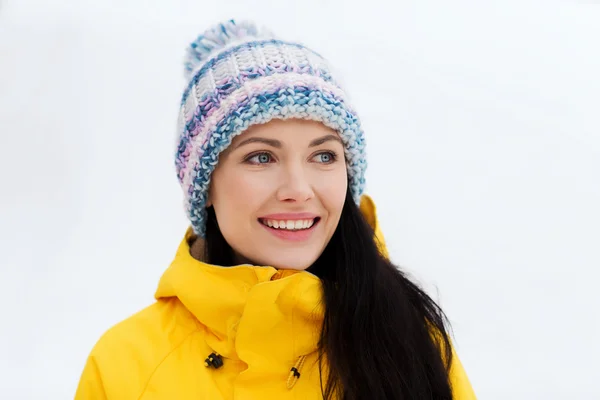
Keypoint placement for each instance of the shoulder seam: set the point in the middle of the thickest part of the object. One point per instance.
(163, 360)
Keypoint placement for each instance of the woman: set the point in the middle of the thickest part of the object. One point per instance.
(282, 287)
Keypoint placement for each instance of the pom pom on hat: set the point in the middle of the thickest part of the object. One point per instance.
(218, 38)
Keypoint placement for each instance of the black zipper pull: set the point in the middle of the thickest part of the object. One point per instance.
(214, 360)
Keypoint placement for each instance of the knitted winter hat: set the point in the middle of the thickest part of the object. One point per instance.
(239, 75)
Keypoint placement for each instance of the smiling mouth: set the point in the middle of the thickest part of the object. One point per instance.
(290, 225)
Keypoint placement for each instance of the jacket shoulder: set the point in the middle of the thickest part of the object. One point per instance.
(461, 386)
(125, 357)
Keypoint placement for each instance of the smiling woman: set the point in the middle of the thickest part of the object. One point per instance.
(282, 287)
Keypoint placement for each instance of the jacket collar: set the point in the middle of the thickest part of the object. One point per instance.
(248, 310)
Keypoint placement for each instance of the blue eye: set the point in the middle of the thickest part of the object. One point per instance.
(326, 157)
(260, 158)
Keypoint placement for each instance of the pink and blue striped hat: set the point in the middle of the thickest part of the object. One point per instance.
(240, 75)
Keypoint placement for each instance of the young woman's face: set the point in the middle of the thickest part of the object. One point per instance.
(278, 192)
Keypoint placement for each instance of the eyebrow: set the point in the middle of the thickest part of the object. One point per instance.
(270, 142)
(277, 144)
(324, 139)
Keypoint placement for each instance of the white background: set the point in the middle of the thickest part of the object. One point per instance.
(483, 129)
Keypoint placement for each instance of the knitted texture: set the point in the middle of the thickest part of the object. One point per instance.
(239, 75)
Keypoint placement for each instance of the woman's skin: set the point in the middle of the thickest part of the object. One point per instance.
(285, 173)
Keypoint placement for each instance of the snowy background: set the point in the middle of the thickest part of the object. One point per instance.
(483, 129)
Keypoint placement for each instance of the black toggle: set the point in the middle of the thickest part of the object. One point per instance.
(214, 360)
(296, 373)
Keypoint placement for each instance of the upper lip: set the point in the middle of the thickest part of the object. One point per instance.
(290, 216)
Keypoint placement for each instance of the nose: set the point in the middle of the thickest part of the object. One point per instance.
(295, 185)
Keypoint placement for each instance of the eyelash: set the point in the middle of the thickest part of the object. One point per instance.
(332, 154)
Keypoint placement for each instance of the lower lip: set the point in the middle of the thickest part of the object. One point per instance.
(294, 236)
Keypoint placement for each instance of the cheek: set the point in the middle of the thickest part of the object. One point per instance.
(236, 195)
(331, 189)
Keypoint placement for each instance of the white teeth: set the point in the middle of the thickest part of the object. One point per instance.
(289, 224)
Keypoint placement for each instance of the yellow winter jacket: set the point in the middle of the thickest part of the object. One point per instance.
(261, 322)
